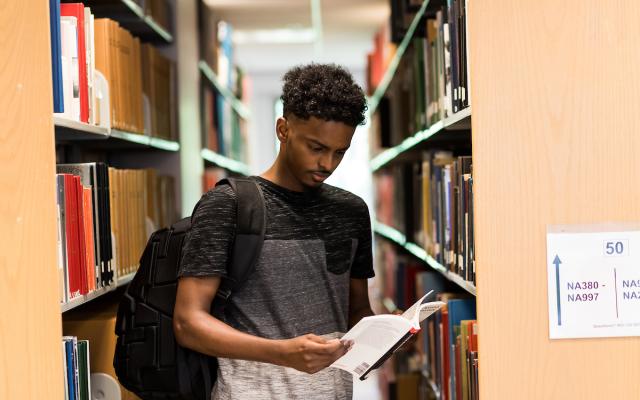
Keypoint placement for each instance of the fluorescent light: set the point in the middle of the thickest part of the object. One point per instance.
(274, 36)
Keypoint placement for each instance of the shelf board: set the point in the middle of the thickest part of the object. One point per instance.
(132, 18)
(70, 130)
(398, 238)
(225, 162)
(213, 79)
(124, 280)
(145, 140)
(458, 121)
(80, 300)
(374, 100)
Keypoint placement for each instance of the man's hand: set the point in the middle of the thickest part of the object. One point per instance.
(311, 353)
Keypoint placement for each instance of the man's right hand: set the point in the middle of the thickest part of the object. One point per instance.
(311, 353)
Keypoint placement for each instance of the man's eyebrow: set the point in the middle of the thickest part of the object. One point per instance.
(318, 143)
(324, 145)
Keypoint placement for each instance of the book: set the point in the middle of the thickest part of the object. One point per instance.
(377, 337)
(77, 10)
(56, 56)
(69, 63)
(84, 370)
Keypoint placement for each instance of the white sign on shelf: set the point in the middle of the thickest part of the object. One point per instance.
(593, 275)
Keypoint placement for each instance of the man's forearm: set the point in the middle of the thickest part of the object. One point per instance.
(208, 335)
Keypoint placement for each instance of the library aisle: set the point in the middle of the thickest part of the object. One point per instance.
(498, 162)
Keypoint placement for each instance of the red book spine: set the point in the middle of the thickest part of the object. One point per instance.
(77, 10)
(458, 388)
(88, 231)
(84, 286)
(71, 232)
(446, 347)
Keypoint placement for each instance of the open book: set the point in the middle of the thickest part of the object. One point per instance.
(377, 337)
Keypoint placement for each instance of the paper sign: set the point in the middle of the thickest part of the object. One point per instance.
(593, 282)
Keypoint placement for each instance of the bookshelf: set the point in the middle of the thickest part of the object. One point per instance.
(133, 18)
(213, 80)
(545, 154)
(417, 251)
(547, 163)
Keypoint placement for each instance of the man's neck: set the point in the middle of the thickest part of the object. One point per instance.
(282, 176)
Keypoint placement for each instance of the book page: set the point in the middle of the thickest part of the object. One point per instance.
(372, 337)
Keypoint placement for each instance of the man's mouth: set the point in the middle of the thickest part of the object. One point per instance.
(319, 176)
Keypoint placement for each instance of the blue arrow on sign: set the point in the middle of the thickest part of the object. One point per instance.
(557, 263)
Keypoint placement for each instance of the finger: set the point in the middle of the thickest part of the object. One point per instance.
(331, 347)
(316, 338)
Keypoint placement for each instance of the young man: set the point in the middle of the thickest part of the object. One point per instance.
(310, 285)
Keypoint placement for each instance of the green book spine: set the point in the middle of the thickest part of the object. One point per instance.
(83, 367)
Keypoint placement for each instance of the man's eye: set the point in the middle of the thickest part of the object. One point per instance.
(340, 153)
(316, 149)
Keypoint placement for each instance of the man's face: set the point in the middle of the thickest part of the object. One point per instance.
(313, 148)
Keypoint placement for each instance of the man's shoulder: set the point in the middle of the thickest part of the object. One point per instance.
(221, 196)
(344, 198)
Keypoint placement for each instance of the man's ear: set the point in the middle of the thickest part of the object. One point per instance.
(282, 129)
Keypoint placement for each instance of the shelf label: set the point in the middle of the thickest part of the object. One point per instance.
(593, 275)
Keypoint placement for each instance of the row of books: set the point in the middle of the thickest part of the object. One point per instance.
(431, 202)
(449, 348)
(223, 130)
(140, 80)
(432, 80)
(445, 354)
(105, 216)
(76, 368)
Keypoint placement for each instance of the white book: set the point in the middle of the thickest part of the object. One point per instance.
(70, 67)
(91, 61)
(374, 339)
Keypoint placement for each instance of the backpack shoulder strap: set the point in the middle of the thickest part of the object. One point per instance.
(250, 230)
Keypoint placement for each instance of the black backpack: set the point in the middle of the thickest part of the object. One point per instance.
(148, 361)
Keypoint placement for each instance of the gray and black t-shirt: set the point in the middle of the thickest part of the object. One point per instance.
(314, 243)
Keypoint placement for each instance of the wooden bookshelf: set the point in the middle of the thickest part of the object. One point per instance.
(30, 354)
(546, 153)
(227, 163)
(133, 18)
(458, 121)
(417, 251)
(239, 107)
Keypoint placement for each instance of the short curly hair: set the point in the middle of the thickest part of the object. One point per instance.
(324, 91)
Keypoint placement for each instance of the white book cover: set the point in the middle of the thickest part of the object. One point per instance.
(65, 57)
(91, 62)
(375, 338)
(71, 69)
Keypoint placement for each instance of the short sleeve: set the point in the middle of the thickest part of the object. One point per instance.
(362, 267)
(208, 243)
